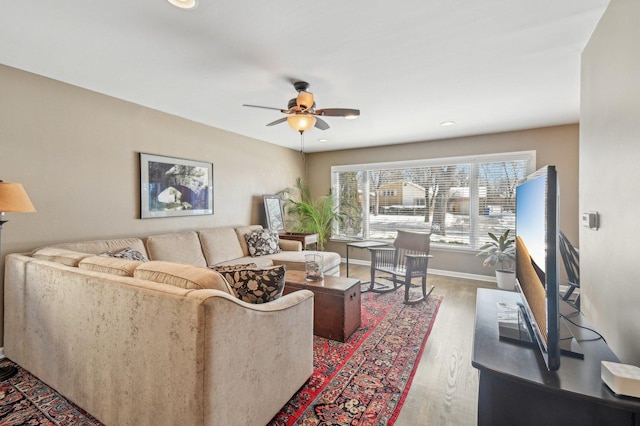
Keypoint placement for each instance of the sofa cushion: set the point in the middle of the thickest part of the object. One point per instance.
(184, 276)
(102, 246)
(241, 231)
(110, 265)
(178, 247)
(262, 241)
(128, 254)
(59, 255)
(220, 245)
(256, 285)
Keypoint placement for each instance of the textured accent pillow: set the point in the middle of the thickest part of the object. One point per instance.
(257, 285)
(262, 241)
(128, 254)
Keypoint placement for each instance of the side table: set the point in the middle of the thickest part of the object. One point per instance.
(362, 245)
(336, 303)
(305, 239)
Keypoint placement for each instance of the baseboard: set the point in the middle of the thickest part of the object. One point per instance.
(452, 274)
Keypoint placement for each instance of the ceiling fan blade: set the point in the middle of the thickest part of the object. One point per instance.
(338, 112)
(263, 107)
(321, 124)
(278, 121)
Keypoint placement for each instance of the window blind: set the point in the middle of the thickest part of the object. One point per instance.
(459, 200)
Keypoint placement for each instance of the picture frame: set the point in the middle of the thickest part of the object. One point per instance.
(173, 187)
(274, 213)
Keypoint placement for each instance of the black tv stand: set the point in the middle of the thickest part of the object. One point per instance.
(514, 326)
(515, 387)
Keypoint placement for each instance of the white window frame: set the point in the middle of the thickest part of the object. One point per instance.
(472, 160)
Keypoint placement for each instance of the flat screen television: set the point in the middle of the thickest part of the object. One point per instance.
(537, 260)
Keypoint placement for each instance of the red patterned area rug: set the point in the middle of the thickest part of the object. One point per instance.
(365, 380)
(25, 400)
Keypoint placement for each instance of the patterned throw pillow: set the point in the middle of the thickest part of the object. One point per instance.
(128, 253)
(256, 285)
(262, 241)
(232, 268)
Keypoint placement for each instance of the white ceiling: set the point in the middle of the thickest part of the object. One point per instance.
(408, 65)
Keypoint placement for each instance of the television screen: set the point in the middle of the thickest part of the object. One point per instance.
(536, 259)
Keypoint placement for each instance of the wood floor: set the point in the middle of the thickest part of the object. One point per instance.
(445, 387)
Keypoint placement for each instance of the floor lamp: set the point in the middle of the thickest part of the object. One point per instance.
(13, 198)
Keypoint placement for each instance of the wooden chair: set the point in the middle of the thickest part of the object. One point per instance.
(571, 259)
(407, 259)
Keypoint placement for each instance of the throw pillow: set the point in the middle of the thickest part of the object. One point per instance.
(257, 285)
(262, 241)
(127, 253)
(110, 265)
(232, 268)
(183, 276)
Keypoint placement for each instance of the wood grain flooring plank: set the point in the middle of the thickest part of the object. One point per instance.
(445, 387)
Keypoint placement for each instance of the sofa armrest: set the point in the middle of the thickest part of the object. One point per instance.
(262, 352)
(290, 245)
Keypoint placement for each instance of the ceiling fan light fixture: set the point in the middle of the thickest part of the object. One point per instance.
(184, 4)
(305, 100)
(301, 122)
(350, 117)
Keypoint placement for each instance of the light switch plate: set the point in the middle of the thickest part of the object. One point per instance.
(590, 220)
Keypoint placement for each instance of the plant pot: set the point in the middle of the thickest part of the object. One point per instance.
(506, 279)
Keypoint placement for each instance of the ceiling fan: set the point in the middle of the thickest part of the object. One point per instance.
(302, 112)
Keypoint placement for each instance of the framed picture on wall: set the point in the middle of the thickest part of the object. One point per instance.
(172, 187)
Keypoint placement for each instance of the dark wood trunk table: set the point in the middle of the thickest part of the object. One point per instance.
(336, 305)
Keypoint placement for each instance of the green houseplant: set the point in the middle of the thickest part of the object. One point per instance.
(500, 249)
(309, 215)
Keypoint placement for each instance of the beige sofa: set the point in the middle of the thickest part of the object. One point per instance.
(136, 350)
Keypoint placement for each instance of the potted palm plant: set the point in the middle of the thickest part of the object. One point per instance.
(501, 249)
(308, 215)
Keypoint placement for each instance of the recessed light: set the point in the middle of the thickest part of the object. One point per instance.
(350, 117)
(322, 140)
(184, 4)
(447, 123)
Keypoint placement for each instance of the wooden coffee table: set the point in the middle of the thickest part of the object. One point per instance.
(336, 303)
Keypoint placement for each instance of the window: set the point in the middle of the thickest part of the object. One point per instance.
(459, 200)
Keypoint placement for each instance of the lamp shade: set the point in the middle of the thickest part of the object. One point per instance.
(13, 198)
(301, 122)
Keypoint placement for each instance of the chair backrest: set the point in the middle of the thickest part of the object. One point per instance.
(413, 241)
(571, 260)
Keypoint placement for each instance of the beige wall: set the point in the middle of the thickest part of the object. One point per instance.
(609, 178)
(76, 153)
(553, 145)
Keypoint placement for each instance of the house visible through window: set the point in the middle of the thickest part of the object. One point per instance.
(459, 200)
